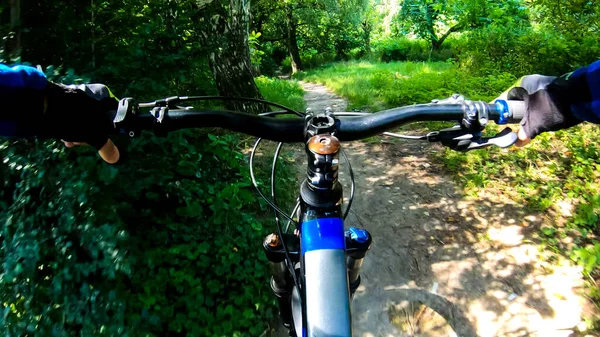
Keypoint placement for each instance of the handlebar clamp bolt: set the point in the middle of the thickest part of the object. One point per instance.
(273, 240)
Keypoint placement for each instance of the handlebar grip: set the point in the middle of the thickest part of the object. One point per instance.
(510, 111)
(517, 110)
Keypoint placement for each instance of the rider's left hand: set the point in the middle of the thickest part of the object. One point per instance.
(81, 115)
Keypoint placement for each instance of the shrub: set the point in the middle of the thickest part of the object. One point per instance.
(403, 49)
(165, 244)
(497, 49)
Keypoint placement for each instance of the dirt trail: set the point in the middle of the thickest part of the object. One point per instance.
(428, 236)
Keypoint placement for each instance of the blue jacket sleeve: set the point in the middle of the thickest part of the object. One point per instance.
(21, 77)
(582, 90)
(22, 96)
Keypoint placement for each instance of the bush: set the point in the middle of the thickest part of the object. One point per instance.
(403, 49)
(312, 58)
(166, 244)
(497, 49)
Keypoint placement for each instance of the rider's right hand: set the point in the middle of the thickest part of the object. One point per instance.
(555, 103)
(547, 110)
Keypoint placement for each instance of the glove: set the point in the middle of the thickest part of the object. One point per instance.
(80, 114)
(547, 105)
(33, 106)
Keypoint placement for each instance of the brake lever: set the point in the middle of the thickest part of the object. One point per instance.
(459, 139)
(503, 139)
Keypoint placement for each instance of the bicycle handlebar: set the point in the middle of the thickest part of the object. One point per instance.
(287, 130)
(293, 129)
(355, 128)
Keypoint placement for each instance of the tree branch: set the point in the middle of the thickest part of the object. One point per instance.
(452, 29)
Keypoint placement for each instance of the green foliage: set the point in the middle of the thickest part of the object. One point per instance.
(167, 244)
(424, 18)
(324, 30)
(286, 93)
(139, 48)
(256, 54)
(484, 37)
(570, 17)
(500, 48)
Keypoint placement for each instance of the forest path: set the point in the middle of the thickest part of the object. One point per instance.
(477, 253)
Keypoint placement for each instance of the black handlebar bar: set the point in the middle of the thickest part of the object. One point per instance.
(355, 128)
(290, 130)
(287, 130)
(472, 117)
(293, 129)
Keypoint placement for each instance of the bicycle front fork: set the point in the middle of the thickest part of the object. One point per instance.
(358, 242)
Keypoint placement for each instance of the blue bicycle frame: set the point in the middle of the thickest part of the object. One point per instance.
(325, 278)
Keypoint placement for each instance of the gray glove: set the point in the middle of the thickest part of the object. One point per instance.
(547, 104)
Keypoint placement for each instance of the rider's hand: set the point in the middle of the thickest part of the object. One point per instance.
(81, 115)
(547, 107)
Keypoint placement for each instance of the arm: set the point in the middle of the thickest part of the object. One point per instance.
(581, 90)
(22, 96)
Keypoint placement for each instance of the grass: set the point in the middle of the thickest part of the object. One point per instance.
(376, 86)
(558, 174)
(286, 93)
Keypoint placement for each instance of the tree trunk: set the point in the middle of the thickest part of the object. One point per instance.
(226, 36)
(14, 42)
(292, 32)
(366, 34)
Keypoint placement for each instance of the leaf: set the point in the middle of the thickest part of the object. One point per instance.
(203, 247)
(107, 173)
(186, 168)
(257, 226)
(192, 209)
(248, 313)
(591, 264)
